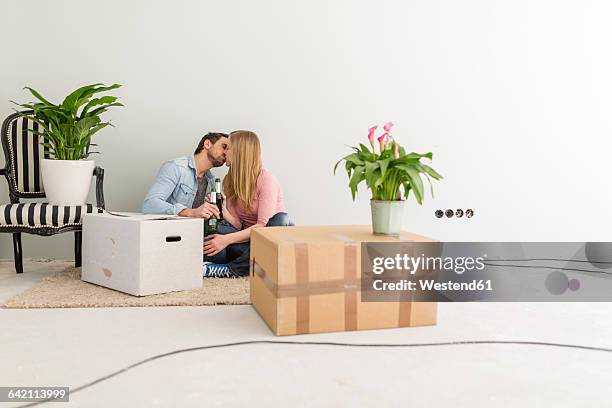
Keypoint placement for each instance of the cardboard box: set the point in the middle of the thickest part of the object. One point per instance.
(307, 280)
(142, 254)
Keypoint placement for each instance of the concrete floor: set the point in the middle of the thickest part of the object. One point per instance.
(71, 347)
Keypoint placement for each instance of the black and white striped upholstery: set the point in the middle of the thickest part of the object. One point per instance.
(25, 150)
(37, 215)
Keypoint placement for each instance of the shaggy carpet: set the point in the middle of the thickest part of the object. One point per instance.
(66, 289)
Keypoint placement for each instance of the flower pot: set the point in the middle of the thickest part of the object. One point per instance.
(387, 217)
(67, 182)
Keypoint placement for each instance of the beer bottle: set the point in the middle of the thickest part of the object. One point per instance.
(219, 197)
(212, 221)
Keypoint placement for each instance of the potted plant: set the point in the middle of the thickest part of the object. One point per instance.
(67, 130)
(390, 175)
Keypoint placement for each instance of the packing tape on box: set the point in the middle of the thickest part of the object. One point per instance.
(302, 307)
(350, 274)
(303, 288)
(307, 289)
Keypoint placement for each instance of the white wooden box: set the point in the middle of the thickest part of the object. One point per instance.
(142, 254)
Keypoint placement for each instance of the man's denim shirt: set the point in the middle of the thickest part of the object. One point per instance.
(175, 187)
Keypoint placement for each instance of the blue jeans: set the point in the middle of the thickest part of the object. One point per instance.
(237, 256)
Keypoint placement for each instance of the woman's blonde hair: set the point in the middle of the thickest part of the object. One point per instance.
(240, 184)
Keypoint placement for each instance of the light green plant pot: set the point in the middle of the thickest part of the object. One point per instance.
(387, 217)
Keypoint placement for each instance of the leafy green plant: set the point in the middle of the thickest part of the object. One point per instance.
(391, 173)
(67, 128)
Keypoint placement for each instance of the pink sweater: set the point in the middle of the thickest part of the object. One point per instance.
(267, 201)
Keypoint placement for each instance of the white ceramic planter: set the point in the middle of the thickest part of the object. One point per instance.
(387, 217)
(67, 182)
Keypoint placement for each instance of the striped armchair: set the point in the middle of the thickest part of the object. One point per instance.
(22, 152)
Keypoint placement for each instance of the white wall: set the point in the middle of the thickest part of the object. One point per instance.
(513, 98)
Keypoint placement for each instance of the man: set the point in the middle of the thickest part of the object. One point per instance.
(182, 184)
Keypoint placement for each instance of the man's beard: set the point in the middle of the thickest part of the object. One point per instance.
(216, 161)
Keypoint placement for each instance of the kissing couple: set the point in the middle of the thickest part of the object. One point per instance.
(253, 197)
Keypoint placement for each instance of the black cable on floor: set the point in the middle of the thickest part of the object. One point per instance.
(551, 259)
(548, 267)
(311, 343)
(315, 343)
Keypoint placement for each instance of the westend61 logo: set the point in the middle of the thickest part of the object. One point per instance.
(411, 264)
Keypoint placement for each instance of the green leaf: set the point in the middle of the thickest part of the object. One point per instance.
(40, 122)
(357, 177)
(23, 105)
(36, 133)
(412, 157)
(349, 168)
(104, 100)
(416, 183)
(370, 173)
(70, 102)
(428, 171)
(364, 148)
(387, 153)
(38, 95)
(384, 165)
(353, 159)
(340, 161)
(80, 96)
(367, 156)
(96, 128)
(407, 189)
(102, 109)
(431, 172)
(378, 178)
(430, 185)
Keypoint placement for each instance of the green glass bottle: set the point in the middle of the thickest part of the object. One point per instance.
(212, 221)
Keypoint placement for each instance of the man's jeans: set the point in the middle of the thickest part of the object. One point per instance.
(236, 256)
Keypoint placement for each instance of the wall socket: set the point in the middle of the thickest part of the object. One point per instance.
(459, 213)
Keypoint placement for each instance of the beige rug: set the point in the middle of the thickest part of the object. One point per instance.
(66, 289)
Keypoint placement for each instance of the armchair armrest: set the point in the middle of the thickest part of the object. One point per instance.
(99, 173)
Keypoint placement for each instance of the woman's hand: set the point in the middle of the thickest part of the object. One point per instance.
(213, 244)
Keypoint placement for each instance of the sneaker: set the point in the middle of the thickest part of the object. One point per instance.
(213, 270)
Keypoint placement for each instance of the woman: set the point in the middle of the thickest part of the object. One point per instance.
(253, 198)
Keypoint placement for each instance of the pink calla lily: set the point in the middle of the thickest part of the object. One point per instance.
(383, 140)
(387, 141)
(388, 126)
(371, 135)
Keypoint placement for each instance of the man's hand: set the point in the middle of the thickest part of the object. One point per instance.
(213, 244)
(206, 211)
